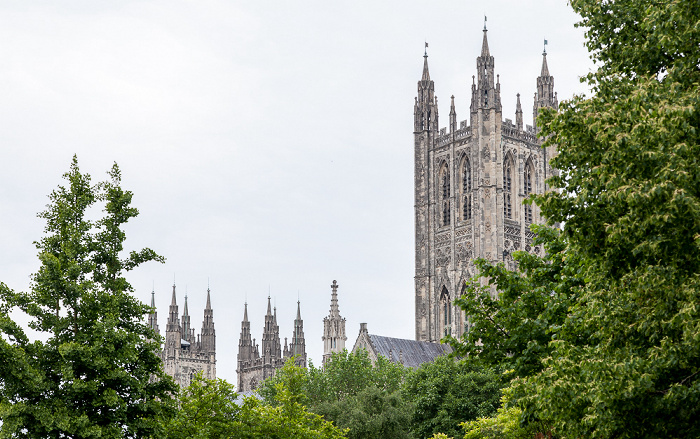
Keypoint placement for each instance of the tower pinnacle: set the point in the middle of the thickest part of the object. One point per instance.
(333, 327)
(485, 44)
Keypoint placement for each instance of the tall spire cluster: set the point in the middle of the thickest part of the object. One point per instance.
(186, 353)
(254, 367)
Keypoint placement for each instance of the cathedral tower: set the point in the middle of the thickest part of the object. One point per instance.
(184, 355)
(333, 326)
(470, 181)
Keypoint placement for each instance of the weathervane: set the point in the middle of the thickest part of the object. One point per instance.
(544, 50)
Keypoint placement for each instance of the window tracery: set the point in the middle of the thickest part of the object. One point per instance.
(528, 177)
(445, 194)
(508, 187)
(466, 190)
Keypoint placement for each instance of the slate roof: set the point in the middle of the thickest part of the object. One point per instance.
(412, 352)
(246, 393)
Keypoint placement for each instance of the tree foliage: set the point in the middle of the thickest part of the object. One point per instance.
(629, 199)
(512, 329)
(97, 373)
(353, 393)
(448, 392)
(211, 409)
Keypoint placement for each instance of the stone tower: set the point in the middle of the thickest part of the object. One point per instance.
(470, 182)
(184, 354)
(333, 327)
(252, 367)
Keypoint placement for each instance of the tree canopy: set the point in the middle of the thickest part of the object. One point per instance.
(95, 372)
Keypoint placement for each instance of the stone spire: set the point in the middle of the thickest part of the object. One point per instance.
(271, 348)
(208, 332)
(425, 109)
(298, 346)
(519, 114)
(172, 328)
(153, 315)
(453, 115)
(333, 327)
(186, 332)
(545, 97)
(485, 44)
(245, 343)
(246, 348)
(486, 93)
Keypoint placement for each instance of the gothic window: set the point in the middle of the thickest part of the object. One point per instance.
(466, 190)
(528, 180)
(508, 187)
(446, 306)
(445, 194)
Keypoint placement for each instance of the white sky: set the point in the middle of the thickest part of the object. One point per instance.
(268, 144)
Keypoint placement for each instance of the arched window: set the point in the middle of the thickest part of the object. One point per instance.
(446, 311)
(466, 190)
(445, 194)
(508, 187)
(528, 181)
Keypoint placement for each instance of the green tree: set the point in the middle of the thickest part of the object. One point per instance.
(353, 393)
(97, 373)
(207, 410)
(513, 329)
(210, 409)
(629, 198)
(448, 392)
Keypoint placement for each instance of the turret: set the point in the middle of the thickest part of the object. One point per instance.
(186, 333)
(486, 91)
(208, 339)
(153, 315)
(545, 97)
(173, 332)
(519, 114)
(425, 109)
(453, 115)
(333, 327)
(271, 349)
(298, 346)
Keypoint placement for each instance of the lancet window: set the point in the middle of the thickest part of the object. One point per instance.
(446, 306)
(508, 187)
(445, 194)
(528, 181)
(466, 190)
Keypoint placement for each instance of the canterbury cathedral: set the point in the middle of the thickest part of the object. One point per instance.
(184, 354)
(471, 178)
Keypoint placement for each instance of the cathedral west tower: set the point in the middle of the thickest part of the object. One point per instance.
(470, 181)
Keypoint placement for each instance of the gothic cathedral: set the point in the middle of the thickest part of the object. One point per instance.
(470, 182)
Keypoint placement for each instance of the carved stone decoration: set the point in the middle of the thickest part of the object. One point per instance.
(487, 226)
(464, 251)
(462, 233)
(442, 239)
(443, 257)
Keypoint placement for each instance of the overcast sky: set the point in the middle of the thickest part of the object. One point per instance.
(268, 144)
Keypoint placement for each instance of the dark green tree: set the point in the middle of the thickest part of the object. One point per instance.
(629, 199)
(448, 392)
(512, 330)
(94, 371)
(353, 393)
